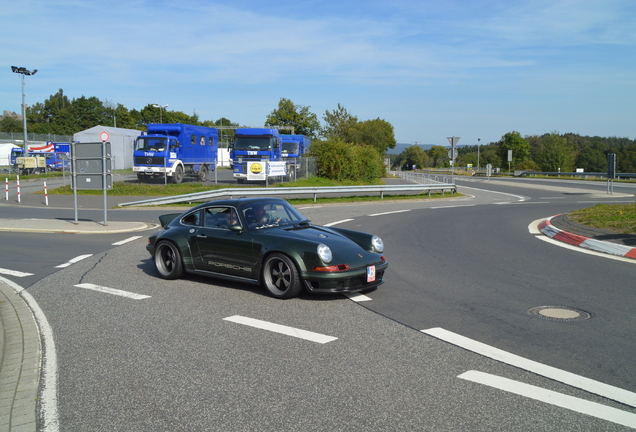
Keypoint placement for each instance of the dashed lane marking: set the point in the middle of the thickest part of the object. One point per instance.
(119, 243)
(391, 212)
(113, 291)
(553, 398)
(14, 273)
(357, 297)
(74, 260)
(282, 329)
(589, 385)
(338, 222)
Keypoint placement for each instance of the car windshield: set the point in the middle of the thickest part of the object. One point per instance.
(268, 214)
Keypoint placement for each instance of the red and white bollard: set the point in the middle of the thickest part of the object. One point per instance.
(46, 195)
(6, 188)
(18, 177)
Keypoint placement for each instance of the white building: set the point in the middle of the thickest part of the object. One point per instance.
(122, 143)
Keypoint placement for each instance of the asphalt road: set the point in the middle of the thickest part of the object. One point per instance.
(183, 359)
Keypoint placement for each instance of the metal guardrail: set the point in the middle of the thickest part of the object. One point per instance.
(574, 174)
(315, 191)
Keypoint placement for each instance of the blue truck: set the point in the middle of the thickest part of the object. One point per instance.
(172, 151)
(294, 146)
(252, 150)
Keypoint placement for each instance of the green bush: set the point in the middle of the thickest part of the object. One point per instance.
(342, 161)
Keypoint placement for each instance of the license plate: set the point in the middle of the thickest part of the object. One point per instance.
(371, 273)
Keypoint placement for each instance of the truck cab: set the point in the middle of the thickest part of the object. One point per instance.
(254, 145)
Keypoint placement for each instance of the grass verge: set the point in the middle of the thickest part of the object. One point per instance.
(620, 218)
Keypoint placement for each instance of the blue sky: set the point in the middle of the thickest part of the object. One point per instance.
(473, 69)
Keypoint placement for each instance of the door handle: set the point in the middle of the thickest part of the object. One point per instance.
(203, 236)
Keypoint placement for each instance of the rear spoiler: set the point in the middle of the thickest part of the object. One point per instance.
(167, 218)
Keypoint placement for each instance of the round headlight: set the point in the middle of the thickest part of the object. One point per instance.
(325, 253)
(377, 243)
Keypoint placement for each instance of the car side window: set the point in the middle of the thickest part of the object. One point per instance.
(193, 219)
(220, 217)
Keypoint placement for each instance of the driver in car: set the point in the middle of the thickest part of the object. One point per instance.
(261, 217)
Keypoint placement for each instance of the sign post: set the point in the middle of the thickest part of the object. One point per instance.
(91, 169)
(611, 172)
(453, 142)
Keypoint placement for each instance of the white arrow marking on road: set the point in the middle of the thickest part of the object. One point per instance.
(119, 243)
(551, 397)
(14, 273)
(74, 260)
(282, 329)
(113, 291)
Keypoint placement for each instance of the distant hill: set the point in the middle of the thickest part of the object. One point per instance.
(399, 148)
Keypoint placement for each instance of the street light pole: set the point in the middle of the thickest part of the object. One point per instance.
(23, 71)
(478, 145)
(161, 107)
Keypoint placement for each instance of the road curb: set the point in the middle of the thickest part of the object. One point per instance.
(548, 229)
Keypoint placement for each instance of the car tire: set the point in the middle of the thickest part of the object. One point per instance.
(168, 260)
(280, 276)
(177, 177)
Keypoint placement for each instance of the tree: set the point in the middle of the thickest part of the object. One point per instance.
(414, 156)
(437, 153)
(338, 123)
(10, 124)
(555, 153)
(288, 114)
(376, 133)
(519, 146)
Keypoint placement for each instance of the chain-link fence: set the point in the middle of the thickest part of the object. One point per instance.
(302, 167)
(14, 137)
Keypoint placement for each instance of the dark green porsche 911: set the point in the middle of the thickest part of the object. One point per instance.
(266, 241)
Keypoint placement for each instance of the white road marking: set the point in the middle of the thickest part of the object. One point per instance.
(74, 260)
(113, 291)
(48, 382)
(519, 197)
(357, 297)
(589, 385)
(14, 273)
(119, 243)
(551, 397)
(310, 207)
(453, 206)
(338, 222)
(282, 329)
(391, 212)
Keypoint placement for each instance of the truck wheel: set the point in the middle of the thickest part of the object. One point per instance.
(177, 177)
(203, 174)
(141, 177)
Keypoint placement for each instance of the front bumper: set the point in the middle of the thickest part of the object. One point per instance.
(345, 281)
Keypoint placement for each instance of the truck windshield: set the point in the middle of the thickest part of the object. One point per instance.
(16, 153)
(146, 143)
(253, 143)
(290, 147)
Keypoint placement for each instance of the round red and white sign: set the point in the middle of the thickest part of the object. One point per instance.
(104, 136)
